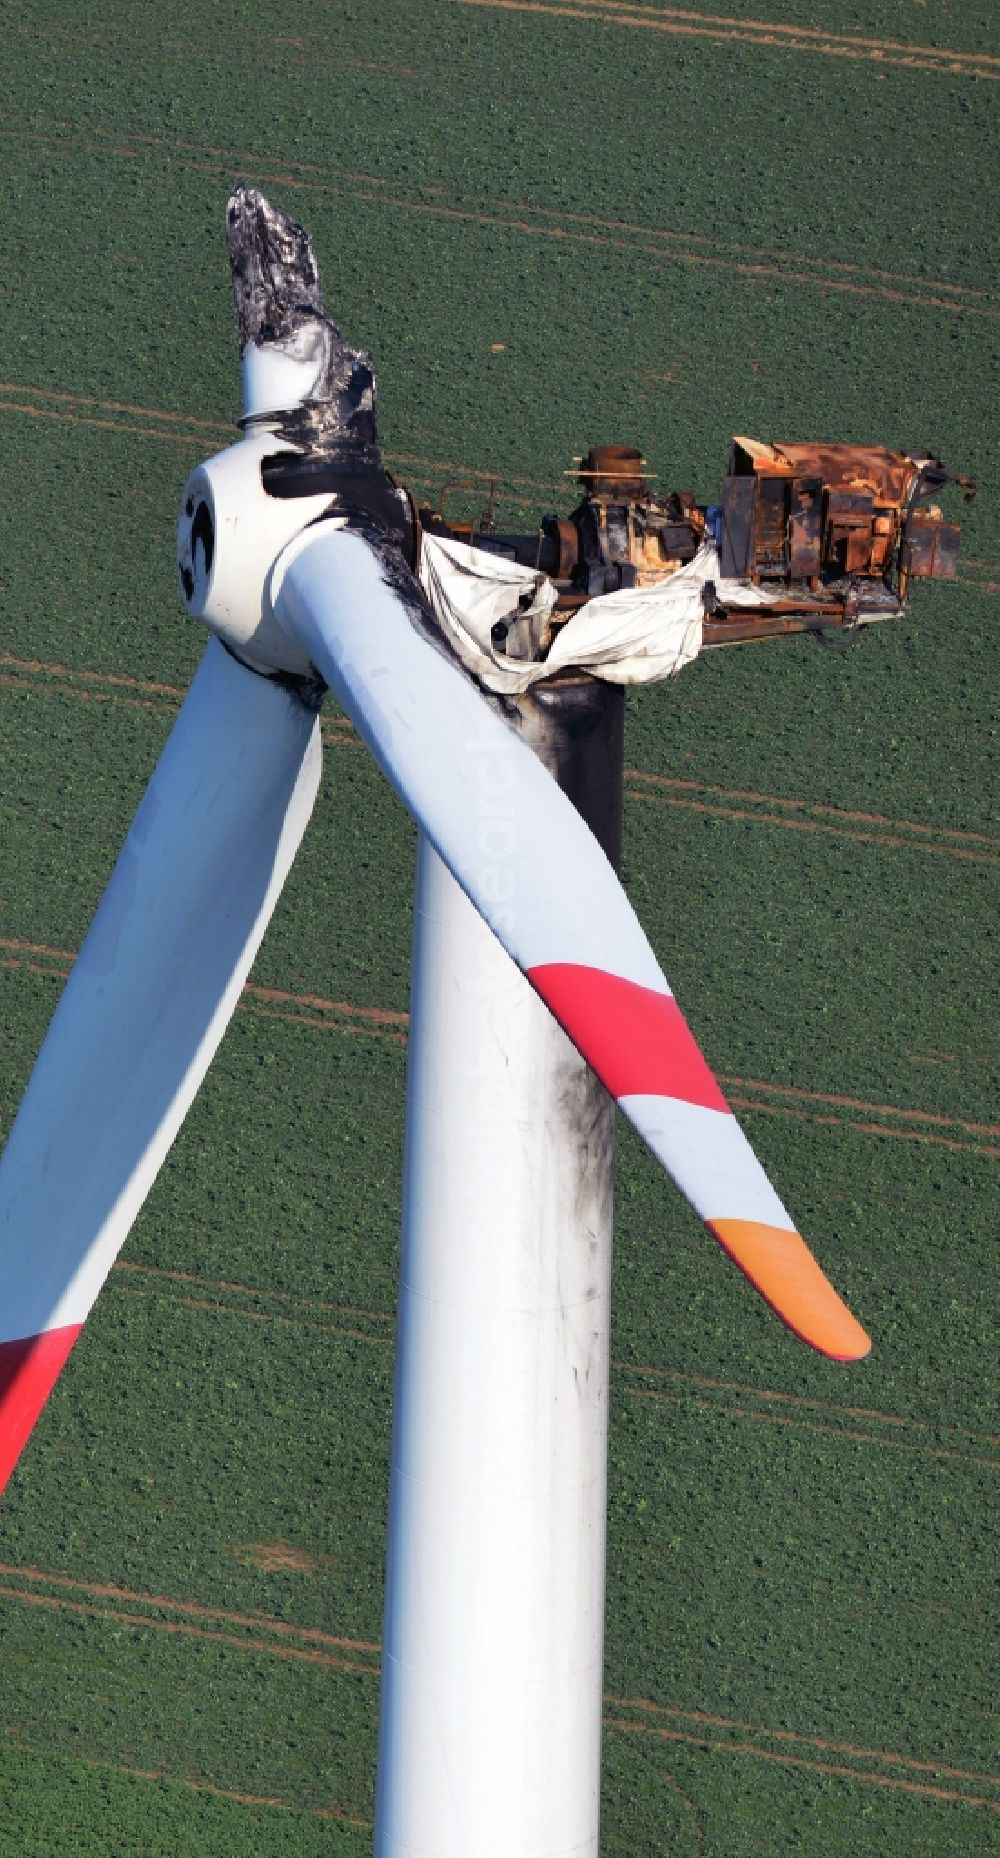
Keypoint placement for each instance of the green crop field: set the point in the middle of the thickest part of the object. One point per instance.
(553, 224)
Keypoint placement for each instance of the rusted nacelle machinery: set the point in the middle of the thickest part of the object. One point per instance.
(829, 537)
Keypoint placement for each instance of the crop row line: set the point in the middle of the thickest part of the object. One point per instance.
(428, 472)
(188, 430)
(676, 1386)
(184, 429)
(801, 815)
(769, 254)
(634, 240)
(680, 22)
(754, 1094)
(761, 1415)
(260, 1635)
(712, 1745)
(195, 1783)
(826, 269)
(791, 812)
(770, 34)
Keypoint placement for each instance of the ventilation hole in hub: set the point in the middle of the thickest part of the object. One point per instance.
(187, 582)
(189, 507)
(203, 532)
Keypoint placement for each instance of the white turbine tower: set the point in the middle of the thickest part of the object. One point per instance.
(535, 993)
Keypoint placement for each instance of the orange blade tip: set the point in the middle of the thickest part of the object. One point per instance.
(780, 1265)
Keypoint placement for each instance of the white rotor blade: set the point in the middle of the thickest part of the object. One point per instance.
(539, 878)
(146, 1004)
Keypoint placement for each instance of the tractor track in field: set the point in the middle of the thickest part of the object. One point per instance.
(260, 1635)
(247, 1303)
(854, 1435)
(138, 693)
(741, 805)
(185, 429)
(799, 815)
(197, 1784)
(723, 1400)
(314, 52)
(885, 1120)
(633, 239)
(771, 35)
(826, 268)
(427, 472)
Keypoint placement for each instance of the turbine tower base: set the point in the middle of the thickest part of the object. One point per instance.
(492, 1665)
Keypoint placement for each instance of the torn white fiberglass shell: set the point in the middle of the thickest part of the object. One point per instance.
(639, 635)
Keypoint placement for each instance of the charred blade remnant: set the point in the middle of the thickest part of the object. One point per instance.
(279, 302)
(332, 423)
(275, 276)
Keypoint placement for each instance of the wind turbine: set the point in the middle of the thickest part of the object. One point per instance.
(296, 550)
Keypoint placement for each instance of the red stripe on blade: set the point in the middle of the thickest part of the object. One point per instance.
(29, 1369)
(636, 1039)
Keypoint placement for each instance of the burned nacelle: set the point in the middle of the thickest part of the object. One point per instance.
(623, 534)
(826, 536)
(819, 514)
